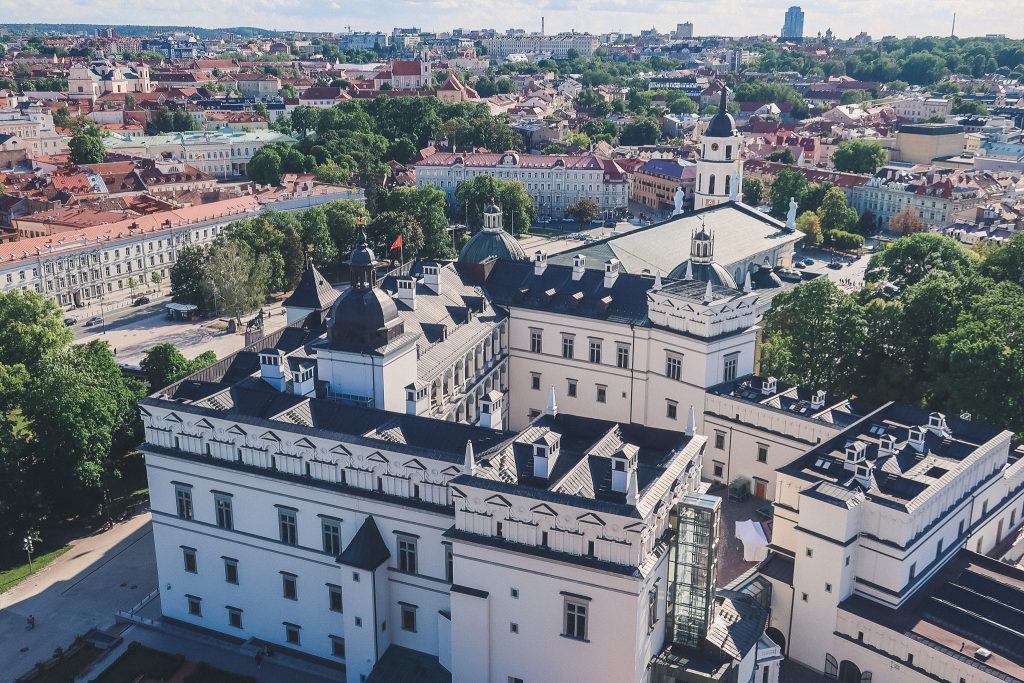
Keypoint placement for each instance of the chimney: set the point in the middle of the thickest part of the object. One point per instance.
(273, 368)
(490, 410)
(769, 386)
(579, 266)
(304, 381)
(540, 262)
(432, 278)
(407, 292)
(611, 272)
(417, 399)
(818, 399)
(632, 488)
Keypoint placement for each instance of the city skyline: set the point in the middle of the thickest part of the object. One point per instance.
(845, 17)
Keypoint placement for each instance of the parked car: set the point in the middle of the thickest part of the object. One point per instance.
(69, 321)
(95, 320)
(800, 264)
(808, 262)
(141, 301)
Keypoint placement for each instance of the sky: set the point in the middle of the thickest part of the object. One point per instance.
(741, 17)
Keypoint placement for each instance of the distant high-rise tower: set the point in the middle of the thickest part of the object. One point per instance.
(794, 26)
(684, 30)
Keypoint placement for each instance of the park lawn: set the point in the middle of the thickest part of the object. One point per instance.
(12, 576)
(139, 660)
(204, 673)
(69, 667)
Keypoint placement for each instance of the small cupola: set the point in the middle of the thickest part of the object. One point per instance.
(623, 463)
(274, 368)
(886, 444)
(915, 437)
(611, 272)
(579, 266)
(937, 424)
(856, 452)
(818, 399)
(540, 262)
(769, 386)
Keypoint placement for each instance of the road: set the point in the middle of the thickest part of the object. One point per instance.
(131, 331)
(78, 591)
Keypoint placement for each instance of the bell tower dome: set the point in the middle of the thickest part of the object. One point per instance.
(720, 167)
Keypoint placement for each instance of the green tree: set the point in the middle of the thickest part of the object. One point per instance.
(81, 410)
(858, 156)
(293, 257)
(388, 225)
(314, 230)
(187, 275)
(782, 156)
(853, 97)
(62, 118)
(265, 167)
(86, 146)
(909, 259)
(813, 196)
(516, 203)
(584, 210)
(813, 336)
(969, 107)
(643, 131)
(753, 191)
(235, 281)
(427, 207)
(164, 365)
(809, 224)
(157, 279)
(343, 217)
(1004, 262)
(836, 213)
(979, 364)
(31, 328)
(787, 185)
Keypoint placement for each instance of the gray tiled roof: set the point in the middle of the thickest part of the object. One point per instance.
(448, 309)
(740, 232)
(313, 291)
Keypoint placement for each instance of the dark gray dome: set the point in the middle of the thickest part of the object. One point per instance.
(488, 243)
(363, 318)
(722, 124)
(704, 272)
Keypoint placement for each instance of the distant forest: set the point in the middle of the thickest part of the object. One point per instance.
(135, 30)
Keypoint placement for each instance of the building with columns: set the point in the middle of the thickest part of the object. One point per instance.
(720, 167)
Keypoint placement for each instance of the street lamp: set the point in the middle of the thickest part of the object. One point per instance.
(29, 547)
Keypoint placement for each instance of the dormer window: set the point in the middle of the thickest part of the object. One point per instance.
(855, 451)
(916, 435)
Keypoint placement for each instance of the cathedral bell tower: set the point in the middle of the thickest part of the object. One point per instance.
(720, 167)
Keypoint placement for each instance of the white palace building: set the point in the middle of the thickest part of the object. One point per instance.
(496, 471)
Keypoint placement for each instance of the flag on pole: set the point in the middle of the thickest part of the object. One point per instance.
(397, 244)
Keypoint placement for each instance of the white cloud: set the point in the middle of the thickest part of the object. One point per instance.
(742, 17)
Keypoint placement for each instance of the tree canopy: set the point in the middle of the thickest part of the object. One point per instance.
(858, 156)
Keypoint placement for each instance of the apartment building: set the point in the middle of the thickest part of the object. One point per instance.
(557, 46)
(554, 181)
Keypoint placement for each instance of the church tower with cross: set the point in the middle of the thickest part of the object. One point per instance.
(720, 168)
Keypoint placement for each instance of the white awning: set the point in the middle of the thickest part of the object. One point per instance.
(755, 542)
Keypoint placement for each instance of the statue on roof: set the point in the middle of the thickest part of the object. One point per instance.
(679, 198)
(791, 215)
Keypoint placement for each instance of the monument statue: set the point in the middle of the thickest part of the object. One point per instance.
(791, 215)
(680, 196)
